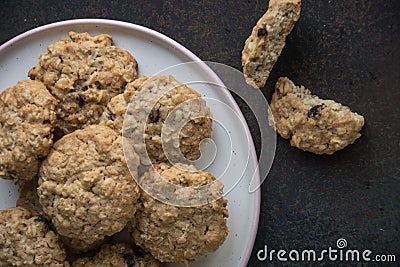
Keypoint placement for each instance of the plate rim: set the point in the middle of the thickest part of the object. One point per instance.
(179, 47)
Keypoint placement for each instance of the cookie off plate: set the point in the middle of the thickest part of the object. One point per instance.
(234, 159)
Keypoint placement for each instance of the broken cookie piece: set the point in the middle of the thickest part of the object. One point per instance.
(312, 124)
(267, 40)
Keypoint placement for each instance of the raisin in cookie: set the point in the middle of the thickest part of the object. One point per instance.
(85, 185)
(175, 233)
(162, 103)
(265, 44)
(27, 117)
(83, 74)
(312, 124)
(118, 255)
(27, 240)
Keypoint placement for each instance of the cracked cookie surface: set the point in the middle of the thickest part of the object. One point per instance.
(83, 74)
(179, 234)
(27, 118)
(85, 185)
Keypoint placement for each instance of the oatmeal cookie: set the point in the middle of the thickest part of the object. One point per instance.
(29, 199)
(83, 74)
(312, 124)
(85, 185)
(179, 109)
(27, 117)
(266, 42)
(26, 240)
(179, 234)
(118, 255)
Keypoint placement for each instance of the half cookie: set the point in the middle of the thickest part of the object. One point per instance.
(312, 124)
(267, 40)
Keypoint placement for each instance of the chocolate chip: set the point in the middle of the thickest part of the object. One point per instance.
(261, 32)
(130, 260)
(314, 112)
(154, 116)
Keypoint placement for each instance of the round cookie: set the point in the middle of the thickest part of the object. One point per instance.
(179, 234)
(163, 102)
(85, 185)
(83, 74)
(29, 200)
(27, 116)
(118, 255)
(26, 240)
(312, 124)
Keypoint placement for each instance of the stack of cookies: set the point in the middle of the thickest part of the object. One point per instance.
(62, 142)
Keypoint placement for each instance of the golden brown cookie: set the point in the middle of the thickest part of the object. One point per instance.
(27, 117)
(83, 74)
(85, 186)
(265, 44)
(312, 124)
(179, 234)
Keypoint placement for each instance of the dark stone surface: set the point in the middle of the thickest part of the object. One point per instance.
(344, 50)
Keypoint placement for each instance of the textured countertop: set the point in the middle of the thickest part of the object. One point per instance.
(344, 50)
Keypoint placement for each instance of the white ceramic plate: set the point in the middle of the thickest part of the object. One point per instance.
(235, 161)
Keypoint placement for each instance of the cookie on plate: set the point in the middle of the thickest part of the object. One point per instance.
(265, 44)
(163, 102)
(118, 255)
(27, 117)
(29, 200)
(174, 233)
(27, 240)
(83, 74)
(85, 186)
(312, 124)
